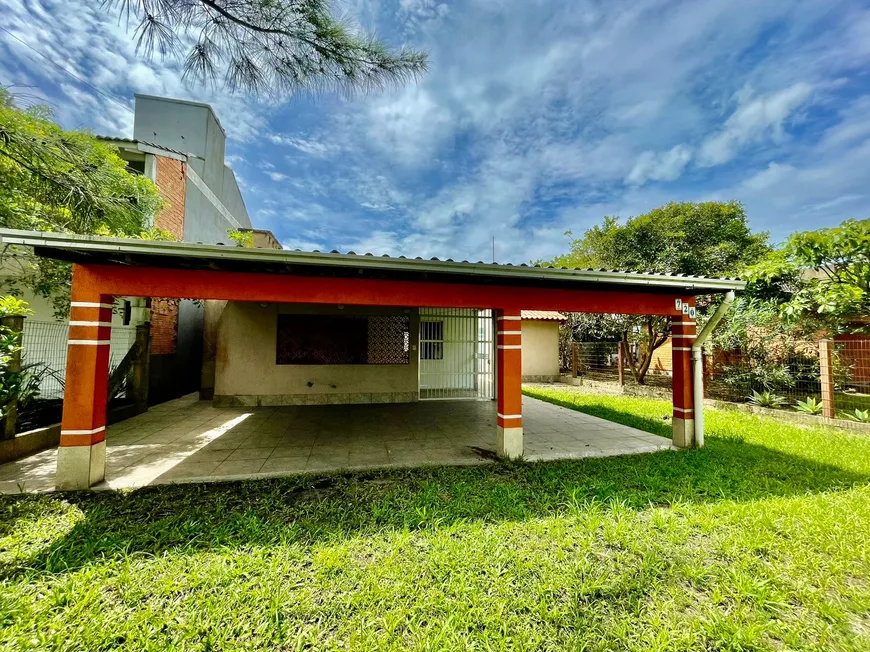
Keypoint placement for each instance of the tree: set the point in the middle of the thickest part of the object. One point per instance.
(822, 275)
(705, 239)
(266, 45)
(65, 181)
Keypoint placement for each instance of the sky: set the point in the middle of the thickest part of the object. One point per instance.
(537, 117)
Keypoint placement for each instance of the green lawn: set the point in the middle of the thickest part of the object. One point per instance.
(759, 541)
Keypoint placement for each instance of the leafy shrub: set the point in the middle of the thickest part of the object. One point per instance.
(861, 416)
(20, 386)
(766, 399)
(14, 307)
(810, 406)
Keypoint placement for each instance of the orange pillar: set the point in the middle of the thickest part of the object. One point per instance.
(509, 384)
(683, 331)
(81, 457)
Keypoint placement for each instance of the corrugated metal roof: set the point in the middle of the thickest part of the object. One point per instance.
(543, 315)
(184, 254)
(133, 141)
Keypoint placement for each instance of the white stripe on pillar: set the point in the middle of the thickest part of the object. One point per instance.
(89, 304)
(83, 432)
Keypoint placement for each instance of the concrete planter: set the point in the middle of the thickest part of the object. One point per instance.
(33, 441)
(27, 443)
(791, 415)
(661, 393)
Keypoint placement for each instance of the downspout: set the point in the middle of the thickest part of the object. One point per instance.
(698, 366)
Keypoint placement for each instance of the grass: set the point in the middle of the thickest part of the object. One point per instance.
(759, 541)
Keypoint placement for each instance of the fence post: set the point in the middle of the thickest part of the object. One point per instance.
(620, 362)
(141, 368)
(10, 420)
(574, 359)
(826, 367)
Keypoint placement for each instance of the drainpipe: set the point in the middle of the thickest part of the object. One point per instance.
(698, 366)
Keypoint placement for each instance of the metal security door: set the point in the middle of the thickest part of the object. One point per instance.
(456, 354)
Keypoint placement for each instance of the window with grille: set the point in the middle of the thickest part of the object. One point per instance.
(343, 339)
(432, 340)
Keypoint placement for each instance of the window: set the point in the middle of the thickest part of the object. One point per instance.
(431, 340)
(343, 339)
(136, 167)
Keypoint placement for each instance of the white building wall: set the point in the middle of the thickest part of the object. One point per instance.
(246, 372)
(540, 350)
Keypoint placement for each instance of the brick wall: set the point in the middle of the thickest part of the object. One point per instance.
(171, 182)
(164, 325)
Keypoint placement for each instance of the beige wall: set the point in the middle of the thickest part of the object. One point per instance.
(540, 349)
(246, 372)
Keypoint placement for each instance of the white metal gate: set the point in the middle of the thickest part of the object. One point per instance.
(456, 354)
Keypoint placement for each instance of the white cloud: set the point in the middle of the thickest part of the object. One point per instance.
(309, 146)
(754, 119)
(773, 174)
(407, 126)
(377, 243)
(664, 166)
(303, 245)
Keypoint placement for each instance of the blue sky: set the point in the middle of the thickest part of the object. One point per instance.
(537, 117)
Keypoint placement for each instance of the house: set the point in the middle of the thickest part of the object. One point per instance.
(298, 327)
(541, 345)
(179, 145)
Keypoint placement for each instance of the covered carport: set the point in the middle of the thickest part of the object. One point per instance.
(105, 268)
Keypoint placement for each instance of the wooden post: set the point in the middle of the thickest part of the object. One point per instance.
(10, 421)
(620, 362)
(826, 366)
(574, 357)
(139, 378)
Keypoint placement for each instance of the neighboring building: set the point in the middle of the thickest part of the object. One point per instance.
(541, 345)
(179, 145)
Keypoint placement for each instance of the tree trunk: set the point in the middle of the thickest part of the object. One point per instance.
(640, 367)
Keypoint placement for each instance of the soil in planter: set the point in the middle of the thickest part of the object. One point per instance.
(39, 414)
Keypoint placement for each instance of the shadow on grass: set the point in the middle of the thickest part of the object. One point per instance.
(314, 509)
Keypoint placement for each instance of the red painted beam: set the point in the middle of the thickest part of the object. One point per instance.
(275, 288)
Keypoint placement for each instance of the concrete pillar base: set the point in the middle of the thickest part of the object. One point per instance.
(80, 467)
(684, 433)
(510, 442)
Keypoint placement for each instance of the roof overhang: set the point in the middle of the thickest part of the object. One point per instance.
(142, 147)
(183, 255)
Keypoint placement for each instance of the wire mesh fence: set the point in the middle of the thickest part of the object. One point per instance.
(826, 377)
(44, 347)
(613, 361)
(851, 376)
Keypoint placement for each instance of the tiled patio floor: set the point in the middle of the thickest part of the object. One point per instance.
(188, 440)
